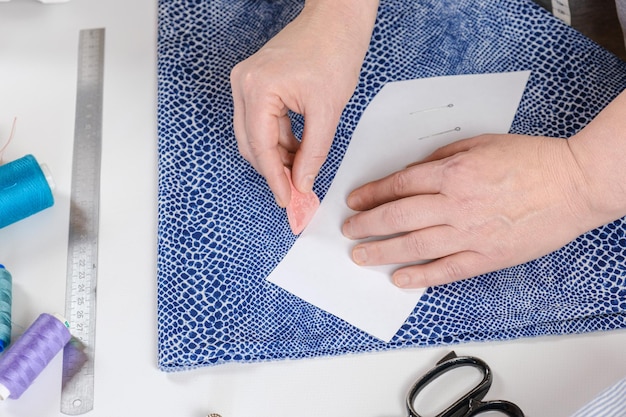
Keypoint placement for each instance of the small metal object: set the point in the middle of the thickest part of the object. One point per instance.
(447, 106)
(470, 404)
(77, 394)
(456, 129)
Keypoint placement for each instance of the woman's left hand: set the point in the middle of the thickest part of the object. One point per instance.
(472, 207)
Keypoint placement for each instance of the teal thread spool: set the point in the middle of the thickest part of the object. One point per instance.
(24, 190)
(6, 294)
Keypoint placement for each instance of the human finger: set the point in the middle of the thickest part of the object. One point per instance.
(286, 137)
(286, 157)
(320, 125)
(239, 125)
(455, 267)
(417, 246)
(400, 216)
(266, 154)
(272, 168)
(418, 179)
(288, 144)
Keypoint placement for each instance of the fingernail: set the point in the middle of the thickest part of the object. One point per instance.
(359, 254)
(346, 229)
(307, 184)
(353, 200)
(402, 280)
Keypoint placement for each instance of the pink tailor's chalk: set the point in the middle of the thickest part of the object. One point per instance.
(301, 207)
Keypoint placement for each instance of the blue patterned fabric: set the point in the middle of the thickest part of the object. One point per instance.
(220, 233)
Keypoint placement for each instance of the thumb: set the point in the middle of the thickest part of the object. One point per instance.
(317, 137)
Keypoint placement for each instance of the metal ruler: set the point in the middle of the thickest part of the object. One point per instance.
(77, 392)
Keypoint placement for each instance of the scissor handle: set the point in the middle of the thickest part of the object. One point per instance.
(447, 363)
(477, 407)
(469, 404)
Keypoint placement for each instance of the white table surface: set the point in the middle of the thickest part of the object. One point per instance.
(546, 376)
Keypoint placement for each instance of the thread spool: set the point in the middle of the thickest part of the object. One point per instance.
(6, 294)
(25, 189)
(31, 353)
(74, 357)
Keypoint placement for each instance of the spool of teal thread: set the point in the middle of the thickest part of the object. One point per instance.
(24, 190)
(6, 294)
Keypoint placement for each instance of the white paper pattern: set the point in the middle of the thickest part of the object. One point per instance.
(405, 122)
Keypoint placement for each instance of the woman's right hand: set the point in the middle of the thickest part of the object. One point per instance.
(311, 67)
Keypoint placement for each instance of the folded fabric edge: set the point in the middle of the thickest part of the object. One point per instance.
(606, 322)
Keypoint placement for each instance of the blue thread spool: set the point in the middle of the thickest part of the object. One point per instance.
(24, 190)
(6, 294)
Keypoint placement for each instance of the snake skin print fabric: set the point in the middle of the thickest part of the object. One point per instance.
(220, 233)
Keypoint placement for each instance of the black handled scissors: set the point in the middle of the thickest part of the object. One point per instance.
(470, 404)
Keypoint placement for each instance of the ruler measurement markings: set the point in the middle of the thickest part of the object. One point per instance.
(78, 378)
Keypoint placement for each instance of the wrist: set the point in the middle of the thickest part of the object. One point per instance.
(600, 151)
(348, 21)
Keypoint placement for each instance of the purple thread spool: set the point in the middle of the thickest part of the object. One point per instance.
(31, 353)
